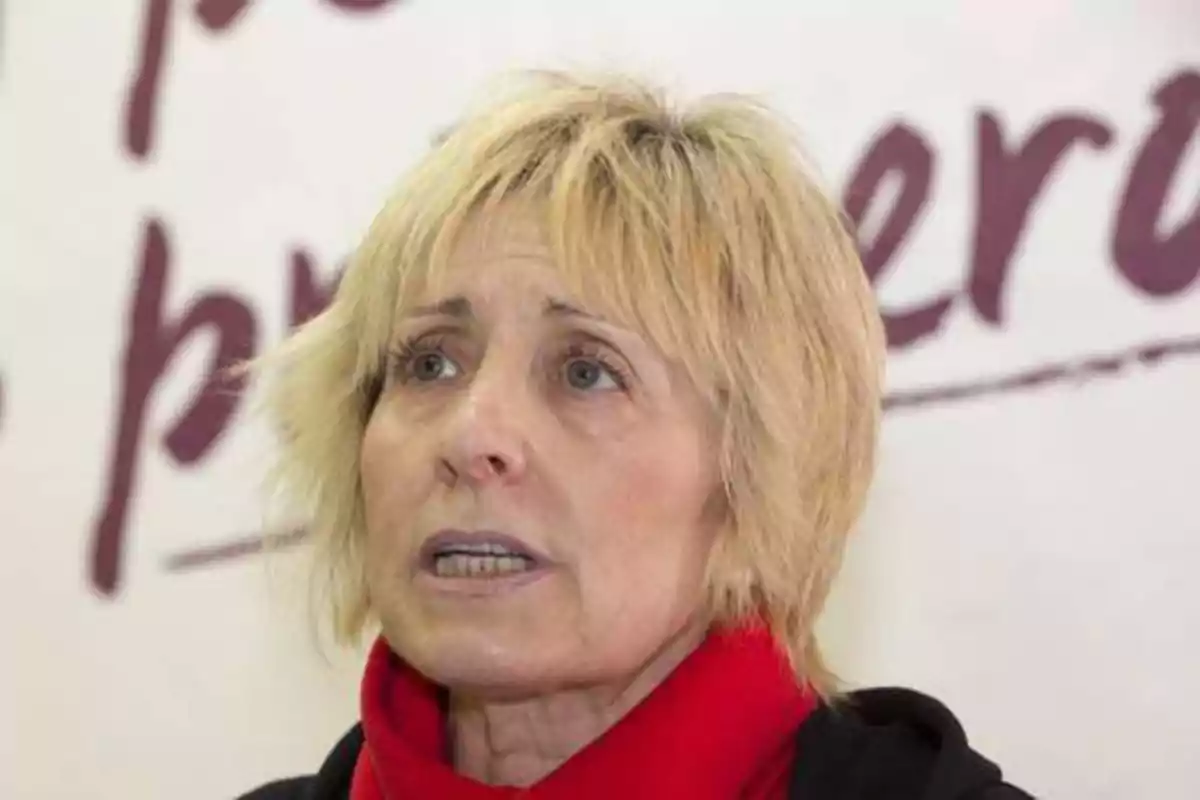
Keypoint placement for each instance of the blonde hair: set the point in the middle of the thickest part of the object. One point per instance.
(704, 230)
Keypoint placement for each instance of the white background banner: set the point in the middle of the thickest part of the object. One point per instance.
(180, 180)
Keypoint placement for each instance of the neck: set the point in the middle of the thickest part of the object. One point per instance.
(517, 743)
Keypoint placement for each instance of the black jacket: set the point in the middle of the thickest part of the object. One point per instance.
(880, 744)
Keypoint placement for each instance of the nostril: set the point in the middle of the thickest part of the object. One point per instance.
(497, 464)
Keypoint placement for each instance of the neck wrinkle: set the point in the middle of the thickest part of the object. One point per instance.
(518, 743)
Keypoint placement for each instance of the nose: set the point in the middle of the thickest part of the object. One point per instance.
(485, 441)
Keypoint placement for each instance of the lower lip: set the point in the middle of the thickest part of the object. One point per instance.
(482, 586)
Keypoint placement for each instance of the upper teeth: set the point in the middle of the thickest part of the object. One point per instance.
(484, 549)
(458, 565)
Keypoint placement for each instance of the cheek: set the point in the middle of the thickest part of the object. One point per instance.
(653, 501)
(646, 546)
(391, 484)
(374, 465)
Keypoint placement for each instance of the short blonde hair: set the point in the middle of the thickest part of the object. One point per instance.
(703, 230)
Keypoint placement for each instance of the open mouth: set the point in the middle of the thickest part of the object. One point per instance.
(479, 561)
(479, 555)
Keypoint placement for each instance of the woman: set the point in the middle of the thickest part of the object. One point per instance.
(583, 434)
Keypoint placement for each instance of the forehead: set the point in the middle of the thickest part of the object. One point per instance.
(507, 234)
(505, 259)
(493, 252)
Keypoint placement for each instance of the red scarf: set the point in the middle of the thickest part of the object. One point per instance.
(721, 726)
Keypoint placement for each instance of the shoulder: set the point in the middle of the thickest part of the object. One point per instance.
(331, 782)
(892, 743)
(287, 789)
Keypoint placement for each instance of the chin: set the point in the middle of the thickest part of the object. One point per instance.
(477, 661)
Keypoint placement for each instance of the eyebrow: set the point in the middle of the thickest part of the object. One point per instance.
(459, 307)
(561, 308)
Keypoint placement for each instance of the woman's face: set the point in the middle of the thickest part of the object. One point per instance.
(537, 483)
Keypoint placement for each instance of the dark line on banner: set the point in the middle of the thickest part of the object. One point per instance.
(1075, 371)
(233, 550)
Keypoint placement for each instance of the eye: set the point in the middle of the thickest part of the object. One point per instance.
(432, 367)
(424, 362)
(587, 373)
